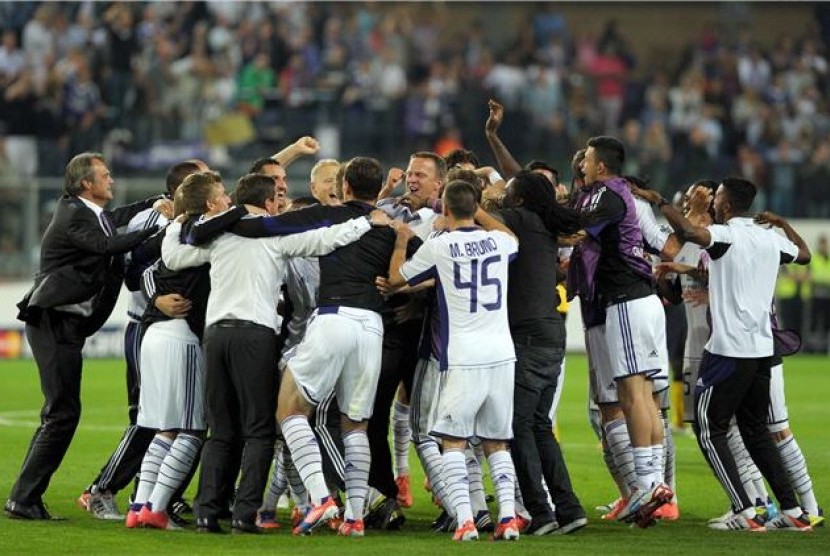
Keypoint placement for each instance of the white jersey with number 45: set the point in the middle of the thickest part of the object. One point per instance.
(470, 270)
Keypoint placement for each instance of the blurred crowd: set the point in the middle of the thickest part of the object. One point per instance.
(388, 79)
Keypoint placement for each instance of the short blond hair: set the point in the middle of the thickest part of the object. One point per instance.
(322, 163)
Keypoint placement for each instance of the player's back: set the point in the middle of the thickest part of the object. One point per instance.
(472, 268)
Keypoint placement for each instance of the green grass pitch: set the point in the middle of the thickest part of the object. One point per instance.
(104, 416)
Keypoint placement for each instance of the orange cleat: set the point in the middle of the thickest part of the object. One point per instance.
(404, 491)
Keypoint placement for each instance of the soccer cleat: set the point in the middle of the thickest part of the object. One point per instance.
(642, 503)
(484, 522)
(785, 522)
(351, 528)
(441, 524)
(721, 519)
(297, 515)
(605, 508)
(571, 526)
(817, 520)
(467, 532)
(522, 522)
(507, 530)
(156, 520)
(83, 501)
(613, 509)
(102, 506)
(317, 515)
(667, 512)
(768, 510)
(132, 516)
(404, 491)
(384, 513)
(737, 522)
(267, 519)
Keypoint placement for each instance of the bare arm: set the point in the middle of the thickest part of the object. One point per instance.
(685, 230)
(490, 222)
(304, 146)
(404, 234)
(509, 166)
(772, 219)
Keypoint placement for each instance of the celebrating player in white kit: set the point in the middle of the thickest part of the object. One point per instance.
(470, 265)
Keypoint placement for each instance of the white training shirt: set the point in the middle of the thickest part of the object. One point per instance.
(696, 319)
(654, 235)
(744, 265)
(145, 219)
(470, 267)
(246, 273)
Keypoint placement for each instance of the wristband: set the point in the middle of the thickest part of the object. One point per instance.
(662, 202)
(493, 177)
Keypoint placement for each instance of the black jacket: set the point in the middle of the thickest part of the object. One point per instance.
(78, 261)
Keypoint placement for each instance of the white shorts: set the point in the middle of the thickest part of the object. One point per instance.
(423, 401)
(341, 352)
(600, 373)
(778, 418)
(476, 402)
(660, 388)
(172, 395)
(636, 335)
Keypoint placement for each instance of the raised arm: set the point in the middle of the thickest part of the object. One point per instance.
(304, 146)
(490, 222)
(685, 230)
(403, 234)
(509, 166)
(804, 256)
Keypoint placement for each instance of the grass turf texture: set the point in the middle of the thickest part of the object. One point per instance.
(104, 415)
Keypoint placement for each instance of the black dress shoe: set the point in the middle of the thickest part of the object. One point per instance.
(33, 512)
(243, 527)
(208, 525)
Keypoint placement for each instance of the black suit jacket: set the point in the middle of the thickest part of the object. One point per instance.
(78, 261)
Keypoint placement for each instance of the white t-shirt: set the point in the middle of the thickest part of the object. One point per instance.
(698, 324)
(744, 265)
(470, 267)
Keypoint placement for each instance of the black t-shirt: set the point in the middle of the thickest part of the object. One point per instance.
(531, 294)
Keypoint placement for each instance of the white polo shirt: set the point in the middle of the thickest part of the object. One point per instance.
(744, 265)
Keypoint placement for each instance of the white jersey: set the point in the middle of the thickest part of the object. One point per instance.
(143, 220)
(696, 315)
(654, 235)
(742, 273)
(470, 266)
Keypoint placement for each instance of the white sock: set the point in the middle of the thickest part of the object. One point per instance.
(504, 477)
(299, 494)
(279, 481)
(742, 461)
(306, 455)
(796, 467)
(433, 464)
(619, 443)
(658, 464)
(357, 460)
(401, 433)
(155, 454)
(478, 501)
(642, 466)
(458, 484)
(174, 469)
(669, 468)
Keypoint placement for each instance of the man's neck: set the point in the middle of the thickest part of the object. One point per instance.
(253, 209)
(464, 223)
(89, 199)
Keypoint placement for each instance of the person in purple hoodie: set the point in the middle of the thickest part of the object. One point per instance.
(608, 271)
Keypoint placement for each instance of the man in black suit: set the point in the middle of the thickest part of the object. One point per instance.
(81, 270)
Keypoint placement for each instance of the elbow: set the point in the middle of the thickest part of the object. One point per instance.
(804, 257)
